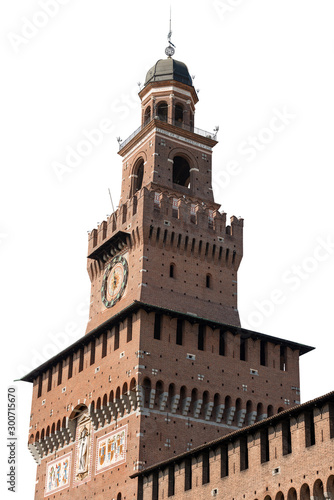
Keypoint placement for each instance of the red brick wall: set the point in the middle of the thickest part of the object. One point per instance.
(305, 472)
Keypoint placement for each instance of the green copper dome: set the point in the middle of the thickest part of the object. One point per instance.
(169, 69)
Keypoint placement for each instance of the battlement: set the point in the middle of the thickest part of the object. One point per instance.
(172, 208)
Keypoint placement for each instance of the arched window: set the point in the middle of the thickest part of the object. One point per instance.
(119, 496)
(181, 171)
(237, 414)
(138, 174)
(163, 111)
(194, 398)
(204, 408)
(208, 281)
(249, 413)
(227, 411)
(147, 391)
(172, 271)
(159, 389)
(178, 114)
(318, 490)
(133, 385)
(260, 415)
(171, 394)
(183, 395)
(305, 493)
(147, 115)
(292, 494)
(330, 484)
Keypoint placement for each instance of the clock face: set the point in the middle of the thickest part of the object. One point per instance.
(114, 281)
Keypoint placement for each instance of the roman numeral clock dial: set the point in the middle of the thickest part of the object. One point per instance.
(114, 281)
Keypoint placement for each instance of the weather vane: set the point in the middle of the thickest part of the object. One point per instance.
(170, 50)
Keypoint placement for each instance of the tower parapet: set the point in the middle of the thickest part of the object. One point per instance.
(169, 205)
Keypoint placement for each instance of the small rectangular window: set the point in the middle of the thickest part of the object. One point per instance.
(140, 488)
(60, 372)
(92, 352)
(264, 440)
(104, 344)
(50, 379)
(116, 338)
(283, 358)
(124, 210)
(309, 428)
(134, 205)
(224, 460)
(331, 420)
(243, 453)
(205, 467)
(171, 480)
(129, 329)
(221, 343)
(155, 489)
(81, 359)
(242, 349)
(201, 337)
(187, 475)
(286, 437)
(157, 326)
(263, 353)
(70, 366)
(179, 332)
(40, 386)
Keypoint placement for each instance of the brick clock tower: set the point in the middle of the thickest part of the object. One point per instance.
(164, 365)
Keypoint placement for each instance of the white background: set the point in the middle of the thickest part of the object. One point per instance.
(249, 58)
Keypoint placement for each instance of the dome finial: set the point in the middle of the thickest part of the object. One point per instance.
(170, 50)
